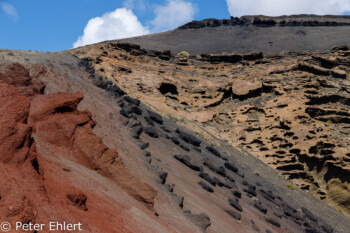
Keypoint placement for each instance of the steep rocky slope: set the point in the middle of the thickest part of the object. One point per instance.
(78, 149)
(290, 111)
(296, 33)
(51, 162)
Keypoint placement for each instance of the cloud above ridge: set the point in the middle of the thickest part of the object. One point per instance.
(121, 23)
(287, 7)
(175, 13)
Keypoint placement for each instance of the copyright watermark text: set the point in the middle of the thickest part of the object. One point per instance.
(51, 226)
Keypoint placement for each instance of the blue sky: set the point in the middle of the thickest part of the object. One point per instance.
(46, 25)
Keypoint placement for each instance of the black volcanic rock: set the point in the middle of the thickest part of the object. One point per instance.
(189, 138)
(151, 131)
(207, 177)
(136, 132)
(272, 221)
(132, 100)
(233, 214)
(155, 117)
(217, 169)
(185, 159)
(205, 186)
(132, 109)
(235, 204)
(295, 33)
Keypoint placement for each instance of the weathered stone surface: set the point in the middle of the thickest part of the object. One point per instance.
(242, 87)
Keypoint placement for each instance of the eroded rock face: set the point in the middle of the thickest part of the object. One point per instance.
(277, 108)
(245, 88)
(198, 183)
(44, 141)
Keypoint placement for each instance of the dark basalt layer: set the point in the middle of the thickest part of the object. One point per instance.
(283, 21)
(296, 33)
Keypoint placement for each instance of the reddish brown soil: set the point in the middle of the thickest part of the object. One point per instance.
(52, 163)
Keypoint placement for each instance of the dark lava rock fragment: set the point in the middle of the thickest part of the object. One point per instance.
(165, 129)
(183, 146)
(189, 139)
(169, 188)
(327, 228)
(133, 109)
(219, 170)
(312, 230)
(155, 117)
(124, 113)
(132, 100)
(253, 226)
(162, 177)
(272, 221)
(230, 178)
(207, 177)
(309, 215)
(147, 154)
(199, 150)
(228, 184)
(218, 182)
(144, 145)
(205, 186)
(115, 90)
(237, 193)
(260, 207)
(268, 195)
(152, 132)
(231, 167)
(136, 132)
(149, 120)
(185, 159)
(235, 204)
(290, 213)
(251, 191)
(175, 140)
(233, 214)
(215, 152)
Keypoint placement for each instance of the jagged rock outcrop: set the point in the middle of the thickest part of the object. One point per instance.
(44, 139)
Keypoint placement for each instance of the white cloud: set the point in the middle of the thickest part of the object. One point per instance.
(287, 7)
(173, 14)
(121, 23)
(9, 9)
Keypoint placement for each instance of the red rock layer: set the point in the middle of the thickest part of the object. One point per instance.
(51, 162)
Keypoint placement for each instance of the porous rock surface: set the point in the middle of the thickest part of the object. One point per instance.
(290, 111)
